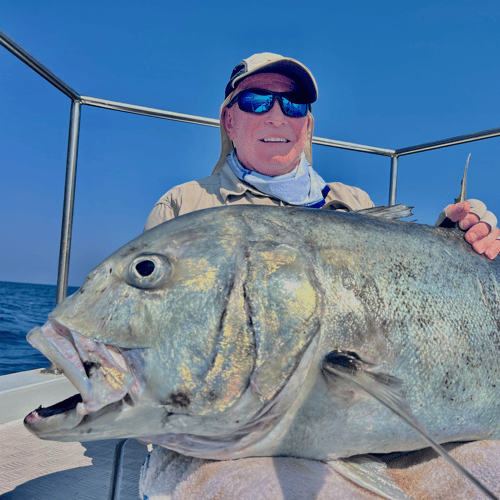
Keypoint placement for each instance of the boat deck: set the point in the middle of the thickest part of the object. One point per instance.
(33, 469)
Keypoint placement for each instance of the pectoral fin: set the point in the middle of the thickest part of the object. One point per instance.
(353, 371)
(370, 473)
(388, 391)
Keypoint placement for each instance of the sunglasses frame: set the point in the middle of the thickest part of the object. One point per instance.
(276, 95)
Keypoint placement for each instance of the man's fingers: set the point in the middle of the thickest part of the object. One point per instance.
(457, 211)
(467, 213)
(480, 226)
(468, 221)
(482, 244)
(493, 250)
(477, 232)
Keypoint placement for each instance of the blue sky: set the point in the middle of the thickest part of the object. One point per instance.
(390, 74)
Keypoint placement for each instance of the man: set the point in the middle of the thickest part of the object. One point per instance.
(266, 140)
(266, 144)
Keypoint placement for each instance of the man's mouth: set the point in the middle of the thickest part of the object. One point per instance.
(274, 139)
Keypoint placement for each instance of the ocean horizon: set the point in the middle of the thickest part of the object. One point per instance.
(22, 307)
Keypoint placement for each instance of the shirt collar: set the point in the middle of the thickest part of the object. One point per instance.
(231, 185)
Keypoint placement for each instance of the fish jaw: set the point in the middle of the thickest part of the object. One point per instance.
(107, 378)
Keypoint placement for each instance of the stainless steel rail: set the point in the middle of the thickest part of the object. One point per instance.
(70, 182)
(212, 122)
(115, 469)
(69, 202)
(154, 112)
(37, 66)
(78, 100)
(452, 141)
(394, 180)
(353, 147)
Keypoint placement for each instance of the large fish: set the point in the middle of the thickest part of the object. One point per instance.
(210, 335)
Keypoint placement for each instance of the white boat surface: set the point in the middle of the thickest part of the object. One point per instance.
(35, 469)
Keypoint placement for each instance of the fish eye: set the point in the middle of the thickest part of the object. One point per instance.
(148, 271)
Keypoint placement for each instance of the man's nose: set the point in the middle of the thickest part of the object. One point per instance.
(275, 116)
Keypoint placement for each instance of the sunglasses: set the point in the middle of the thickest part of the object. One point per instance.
(260, 101)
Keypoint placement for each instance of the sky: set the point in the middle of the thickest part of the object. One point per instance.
(390, 74)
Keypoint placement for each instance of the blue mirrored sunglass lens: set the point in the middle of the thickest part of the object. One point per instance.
(256, 103)
(293, 109)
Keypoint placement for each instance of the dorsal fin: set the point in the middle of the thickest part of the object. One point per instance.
(391, 212)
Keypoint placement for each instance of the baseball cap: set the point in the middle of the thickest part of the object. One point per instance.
(268, 62)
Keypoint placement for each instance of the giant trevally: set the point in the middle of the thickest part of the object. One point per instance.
(210, 334)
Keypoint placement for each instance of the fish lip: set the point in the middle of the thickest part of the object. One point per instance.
(45, 339)
(67, 350)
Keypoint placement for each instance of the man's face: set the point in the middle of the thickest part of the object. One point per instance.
(252, 133)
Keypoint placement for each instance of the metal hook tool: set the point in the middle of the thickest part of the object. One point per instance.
(443, 221)
(463, 191)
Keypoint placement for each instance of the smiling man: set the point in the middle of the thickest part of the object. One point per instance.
(266, 141)
(266, 145)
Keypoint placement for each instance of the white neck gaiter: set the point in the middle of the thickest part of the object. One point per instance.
(300, 187)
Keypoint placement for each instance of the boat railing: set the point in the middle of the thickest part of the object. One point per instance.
(77, 100)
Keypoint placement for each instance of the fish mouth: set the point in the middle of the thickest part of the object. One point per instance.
(58, 408)
(107, 377)
(54, 421)
(55, 417)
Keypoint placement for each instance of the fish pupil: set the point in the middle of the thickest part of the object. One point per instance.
(145, 267)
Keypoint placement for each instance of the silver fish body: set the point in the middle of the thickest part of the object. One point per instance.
(207, 335)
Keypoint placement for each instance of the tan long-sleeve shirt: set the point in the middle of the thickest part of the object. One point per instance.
(225, 189)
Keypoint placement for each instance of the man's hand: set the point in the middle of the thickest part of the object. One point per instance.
(480, 225)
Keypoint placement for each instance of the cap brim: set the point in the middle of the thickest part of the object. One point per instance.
(290, 68)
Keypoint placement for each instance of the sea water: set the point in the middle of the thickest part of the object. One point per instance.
(22, 307)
